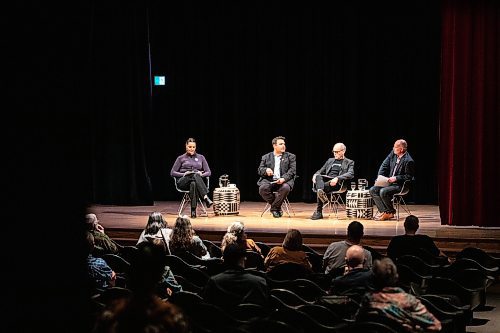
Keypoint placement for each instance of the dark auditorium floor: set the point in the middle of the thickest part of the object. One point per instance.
(488, 320)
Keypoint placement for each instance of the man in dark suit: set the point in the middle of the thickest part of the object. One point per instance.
(236, 285)
(327, 179)
(399, 167)
(277, 174)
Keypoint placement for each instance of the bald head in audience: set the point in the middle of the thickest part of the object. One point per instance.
(355, 257)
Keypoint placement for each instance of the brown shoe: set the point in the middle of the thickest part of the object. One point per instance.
(386, 216)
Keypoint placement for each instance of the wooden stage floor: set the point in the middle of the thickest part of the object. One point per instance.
(125, 223)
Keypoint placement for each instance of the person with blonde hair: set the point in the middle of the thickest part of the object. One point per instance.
(236, 234)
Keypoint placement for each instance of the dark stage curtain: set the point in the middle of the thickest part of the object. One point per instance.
(119, 94)
(469, 121)
(238, 75)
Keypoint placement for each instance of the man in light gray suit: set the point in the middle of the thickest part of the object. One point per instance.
(327, 179)
(277, 174)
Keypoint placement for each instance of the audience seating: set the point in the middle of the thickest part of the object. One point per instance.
(117, 263)
(254, 260)
(288, 271)
(249, 311)
(480, 256)
(301, 320)
(214, 250)
(289, 297)
(191, 273)
(264, 248)
(321, 314)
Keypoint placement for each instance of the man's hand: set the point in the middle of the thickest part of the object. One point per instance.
(334, 181)
(280, 181)
(391, 180)
(269, 172)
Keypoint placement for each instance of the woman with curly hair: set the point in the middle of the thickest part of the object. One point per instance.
(183, 239)
(236, 234)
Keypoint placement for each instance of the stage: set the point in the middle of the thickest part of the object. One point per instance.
(125, 223)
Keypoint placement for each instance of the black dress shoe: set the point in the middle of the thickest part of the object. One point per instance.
(208, 202)
(280, 212)
(193, 213)
(317, 215)
(276, 214)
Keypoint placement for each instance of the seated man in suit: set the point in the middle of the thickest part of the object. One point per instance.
(327, 179)
(399, 167)
(277, 174)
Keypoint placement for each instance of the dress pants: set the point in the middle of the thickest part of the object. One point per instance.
(266, 192)
(325, 186)
(382, 197)
(196, 186)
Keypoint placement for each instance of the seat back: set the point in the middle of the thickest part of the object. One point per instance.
(254, 260)
(398, 200)
(117, 263)
(287, 271)
(264, 248)
(480, 256)
(214, 250)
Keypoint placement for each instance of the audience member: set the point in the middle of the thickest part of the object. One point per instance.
(102, 243)
(334, 256)
(393, 302)
(411, 243)
(236, 234)
(290, 251)
(150, 255)
(183, 239)
(236, 285)
(156, 228)
(356, 274)
(144, 311)
(100, 274)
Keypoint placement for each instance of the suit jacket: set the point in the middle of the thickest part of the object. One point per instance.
(288, 168)
(405, 170)
(346, 169)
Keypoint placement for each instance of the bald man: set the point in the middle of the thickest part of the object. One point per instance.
(356, 276)
(328, 179)
(398, 167)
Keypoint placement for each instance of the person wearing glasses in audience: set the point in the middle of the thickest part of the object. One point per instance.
(189, 170)
(277, 174)
(327, 179)
(397, 167)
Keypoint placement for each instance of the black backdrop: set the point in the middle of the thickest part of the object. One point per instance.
(239, 75)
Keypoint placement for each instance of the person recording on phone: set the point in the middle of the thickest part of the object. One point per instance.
(189, 170)
(277, 174)
(398, 167)
(327, 179)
